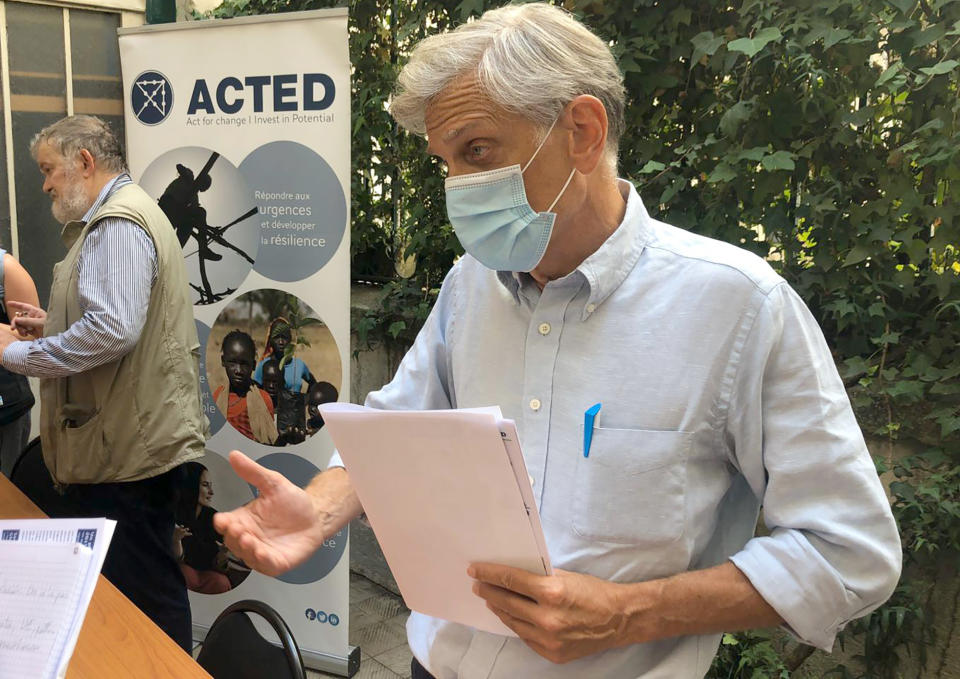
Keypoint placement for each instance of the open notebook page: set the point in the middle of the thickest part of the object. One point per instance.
(26, 544)
(41, 586)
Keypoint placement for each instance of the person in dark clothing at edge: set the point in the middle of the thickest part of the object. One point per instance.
(16, 399)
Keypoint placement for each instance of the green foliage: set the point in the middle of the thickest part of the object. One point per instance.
(926, 504)
(748, 655)
(896, 629)
(926, 498)
(820, 134)
(403, 309)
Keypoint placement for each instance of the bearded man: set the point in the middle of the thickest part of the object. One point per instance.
(118, 360)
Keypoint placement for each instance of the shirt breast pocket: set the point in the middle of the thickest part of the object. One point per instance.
(631, 489)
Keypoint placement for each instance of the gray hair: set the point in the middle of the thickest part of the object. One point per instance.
(68, 135)
(528, 59)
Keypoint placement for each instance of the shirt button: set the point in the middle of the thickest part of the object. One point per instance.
(544, 328)
(531, 480)
(591, 308)
(534, 404)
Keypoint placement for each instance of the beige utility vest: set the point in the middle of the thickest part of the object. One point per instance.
(138, 416)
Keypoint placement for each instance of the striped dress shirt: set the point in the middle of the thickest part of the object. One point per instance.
(116, 271)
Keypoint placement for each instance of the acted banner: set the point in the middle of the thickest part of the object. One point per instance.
(240, 129)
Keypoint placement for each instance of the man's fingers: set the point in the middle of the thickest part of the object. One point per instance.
(513, 579)
(223, 522)
(26, 329)
(526, 631)
(258, 555)
(532, 636)
(251, 472)
(516, 605)
(22, 306)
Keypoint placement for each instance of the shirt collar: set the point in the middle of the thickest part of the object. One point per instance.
(105, 192)
(608, 267)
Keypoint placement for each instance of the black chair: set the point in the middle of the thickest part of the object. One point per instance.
(234, 649)
(31, 476)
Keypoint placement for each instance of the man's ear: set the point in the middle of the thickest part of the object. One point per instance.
(587, 118)
(87, 164)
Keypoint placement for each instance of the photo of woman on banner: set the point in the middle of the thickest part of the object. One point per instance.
(207, 565)
(297, 353)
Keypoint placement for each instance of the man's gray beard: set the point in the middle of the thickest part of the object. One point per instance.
(72, 204)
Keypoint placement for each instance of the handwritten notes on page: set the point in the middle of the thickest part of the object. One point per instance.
(39, 587)
(48, 571)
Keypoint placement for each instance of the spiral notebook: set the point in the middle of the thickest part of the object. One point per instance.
(48, 571)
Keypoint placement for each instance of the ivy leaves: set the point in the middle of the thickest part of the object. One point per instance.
(940, 68)
(751, 46)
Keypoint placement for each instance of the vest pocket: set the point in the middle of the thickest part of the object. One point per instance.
(81, 455)
(632, 487)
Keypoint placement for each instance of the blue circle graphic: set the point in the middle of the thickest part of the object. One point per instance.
(302, 209)
(151, 97)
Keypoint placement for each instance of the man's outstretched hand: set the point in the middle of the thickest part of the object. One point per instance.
(279, 529)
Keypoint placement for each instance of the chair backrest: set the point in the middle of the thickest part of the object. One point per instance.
(233, 649)
(30, 475)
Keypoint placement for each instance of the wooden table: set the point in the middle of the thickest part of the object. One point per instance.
(117, 640)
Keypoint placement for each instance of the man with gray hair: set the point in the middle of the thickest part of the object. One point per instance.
(118, 358)
(707, 386)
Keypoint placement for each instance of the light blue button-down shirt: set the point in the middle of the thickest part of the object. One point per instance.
(719, 393)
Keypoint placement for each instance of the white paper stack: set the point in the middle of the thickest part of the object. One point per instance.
(442, 489)
(48, 571)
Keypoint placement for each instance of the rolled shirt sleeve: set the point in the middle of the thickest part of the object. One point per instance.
(833, 553)
(116, 271)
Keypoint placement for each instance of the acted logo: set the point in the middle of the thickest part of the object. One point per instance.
(151, 97)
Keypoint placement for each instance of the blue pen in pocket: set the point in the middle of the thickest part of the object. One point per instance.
(589, 419)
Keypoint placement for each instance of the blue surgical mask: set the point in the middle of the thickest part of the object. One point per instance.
(493, 220)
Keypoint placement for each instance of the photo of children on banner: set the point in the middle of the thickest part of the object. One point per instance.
(249, 409)
(291, 373)
(207, 565)
(317, 394)
(273, 400)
